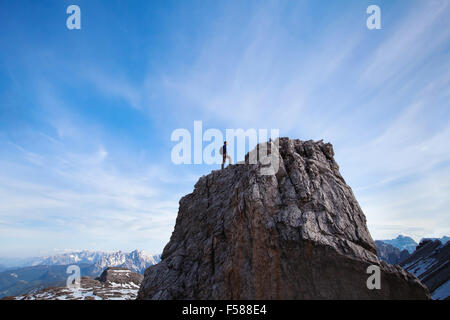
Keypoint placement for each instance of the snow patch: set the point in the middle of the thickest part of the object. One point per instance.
(419, 267)
(441, 292)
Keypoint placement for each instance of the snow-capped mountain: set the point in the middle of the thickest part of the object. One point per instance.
(88, 257)
(403, 242)
(430, 263)
(136, 260)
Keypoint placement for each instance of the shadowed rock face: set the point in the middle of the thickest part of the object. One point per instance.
(430, 263)
(390, 254)
(299, 234)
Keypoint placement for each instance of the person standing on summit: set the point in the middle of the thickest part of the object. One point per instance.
(225, 156)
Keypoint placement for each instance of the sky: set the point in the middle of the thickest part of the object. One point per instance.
(86, 116)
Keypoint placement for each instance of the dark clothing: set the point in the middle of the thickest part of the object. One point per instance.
(225, 156)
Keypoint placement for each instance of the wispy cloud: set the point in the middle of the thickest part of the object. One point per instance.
(380, 100)
(85, 151)
(118, 87)
(86, 196)
(269, 78)
(418, 208)
(419, 34)
(69, 189)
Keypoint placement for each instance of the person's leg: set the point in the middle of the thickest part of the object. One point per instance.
(229, 160)
(223, 161)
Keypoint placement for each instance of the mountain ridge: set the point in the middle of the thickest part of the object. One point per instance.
(403, 243)
(51, 270)
(136, 260)
(430, 263)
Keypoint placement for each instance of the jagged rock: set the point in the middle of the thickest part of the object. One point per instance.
(120, 276)
(430, 263)
(389, 253)
(298, 234)
(136, 260)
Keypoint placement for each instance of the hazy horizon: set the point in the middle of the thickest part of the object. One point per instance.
(63, 251)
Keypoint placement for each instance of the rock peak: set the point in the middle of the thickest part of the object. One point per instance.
(296, 234)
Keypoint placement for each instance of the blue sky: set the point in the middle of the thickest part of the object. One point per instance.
(86, 115)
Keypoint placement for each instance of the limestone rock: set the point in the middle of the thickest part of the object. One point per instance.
(298, 234)
(120, 276)
(431, 264)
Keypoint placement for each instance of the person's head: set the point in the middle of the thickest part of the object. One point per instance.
(225, 142)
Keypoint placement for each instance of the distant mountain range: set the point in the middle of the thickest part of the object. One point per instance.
(444, 239)
(403, 243)
(49, 271)
(429, 261)
(89, 257)
(136, 260)
(407, 243)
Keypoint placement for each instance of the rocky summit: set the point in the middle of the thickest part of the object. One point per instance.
(297, 234)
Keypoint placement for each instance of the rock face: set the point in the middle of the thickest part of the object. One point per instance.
(431, 264)
(113, 284)
(390, 254)
(120, 276)
(298, 234)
